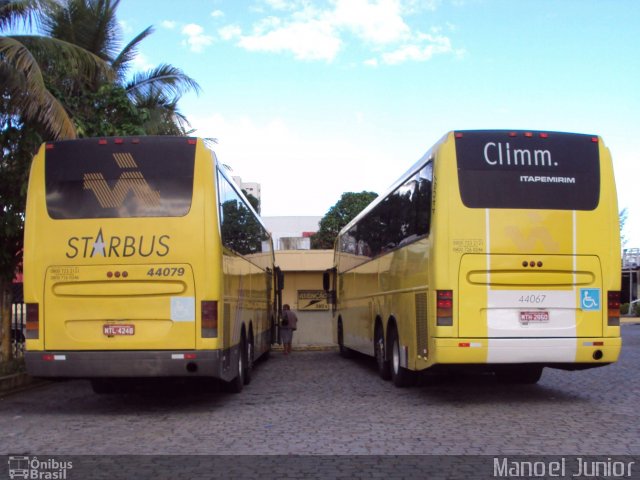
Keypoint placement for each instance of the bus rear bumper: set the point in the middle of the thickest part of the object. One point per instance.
(544, 351)
(105, 364)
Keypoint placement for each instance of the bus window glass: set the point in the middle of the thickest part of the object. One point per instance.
(401, 218)
(152, 178)
(241, 231)
(560, 171)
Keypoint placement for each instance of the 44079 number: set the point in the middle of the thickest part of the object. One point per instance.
(166, 272)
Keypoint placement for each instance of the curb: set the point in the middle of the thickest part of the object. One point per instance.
(629, 320)
(17, 382)
(307, 348)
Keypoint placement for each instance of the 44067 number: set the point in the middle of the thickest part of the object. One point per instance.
(166, 272)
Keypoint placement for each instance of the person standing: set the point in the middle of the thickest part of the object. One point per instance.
(288, 324)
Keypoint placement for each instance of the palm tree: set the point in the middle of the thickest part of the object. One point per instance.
(92, 25)
(24, 89)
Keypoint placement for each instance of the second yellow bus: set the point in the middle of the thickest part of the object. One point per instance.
(497, 249)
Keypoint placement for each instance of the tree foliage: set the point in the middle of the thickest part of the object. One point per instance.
(345, 210)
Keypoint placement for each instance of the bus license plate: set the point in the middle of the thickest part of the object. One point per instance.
(111, 330)
(534, 317)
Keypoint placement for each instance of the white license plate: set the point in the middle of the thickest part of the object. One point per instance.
(111, 330)
(534, 317)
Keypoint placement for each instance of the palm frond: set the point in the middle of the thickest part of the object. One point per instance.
(27, 93)
(169, 80)
(129, 52)
(52, 51)
(22, 12)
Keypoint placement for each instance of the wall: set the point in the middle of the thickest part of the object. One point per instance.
(303, 271)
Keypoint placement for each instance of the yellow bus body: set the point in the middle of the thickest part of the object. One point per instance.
(124, 297)
(502, 266)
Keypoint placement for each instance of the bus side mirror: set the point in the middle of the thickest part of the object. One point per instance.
(326, 280)
(280, 278)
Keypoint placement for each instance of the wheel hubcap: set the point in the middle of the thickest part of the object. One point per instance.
(396, 357)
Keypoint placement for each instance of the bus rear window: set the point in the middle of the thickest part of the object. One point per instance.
(151, 177)
(502, 169)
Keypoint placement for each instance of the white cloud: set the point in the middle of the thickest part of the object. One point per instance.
(279, 152)
(424, 47)
(126, 27)
(229, 32)
(311, 40)
(196, 38)
(168, 24)
(142, 63)
(312, 33)
(379, 22)
(217, 14)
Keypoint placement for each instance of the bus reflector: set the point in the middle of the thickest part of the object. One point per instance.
(209, 314)
(613, 307)
(102, 141)
(444, 303)
(544, 135)
(33, 321)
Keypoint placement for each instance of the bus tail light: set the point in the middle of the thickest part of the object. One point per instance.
(444, 308)
(613, 308)
(209, 314)
(33, 321)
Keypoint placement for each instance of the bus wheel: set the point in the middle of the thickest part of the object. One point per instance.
(248, 361)
(522, 374)
(235, 385)
(384, 369)
(344, 351)
(401, 377)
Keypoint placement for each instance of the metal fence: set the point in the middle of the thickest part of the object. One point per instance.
(18, 318)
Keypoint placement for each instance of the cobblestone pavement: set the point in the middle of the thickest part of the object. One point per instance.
(317, 403)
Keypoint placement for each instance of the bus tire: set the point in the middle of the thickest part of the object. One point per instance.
(520, 374)
(384, 369)
(400, 376)
(344, 351)
(235, 385)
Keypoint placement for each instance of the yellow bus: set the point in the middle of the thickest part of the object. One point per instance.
(142, 258)
(498, 249)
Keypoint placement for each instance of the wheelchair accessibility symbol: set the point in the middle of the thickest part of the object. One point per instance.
(590, 298)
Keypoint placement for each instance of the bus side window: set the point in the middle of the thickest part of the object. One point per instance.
(423, 204)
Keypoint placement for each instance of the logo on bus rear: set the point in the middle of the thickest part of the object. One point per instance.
(590, 299)
(114, 246)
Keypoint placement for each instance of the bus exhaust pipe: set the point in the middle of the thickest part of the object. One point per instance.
(192, 367)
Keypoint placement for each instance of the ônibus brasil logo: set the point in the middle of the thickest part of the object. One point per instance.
(34, 468)
(101, 245)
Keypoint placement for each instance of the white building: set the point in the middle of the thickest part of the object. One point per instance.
(292, 233)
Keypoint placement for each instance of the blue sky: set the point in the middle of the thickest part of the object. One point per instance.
(315, 98)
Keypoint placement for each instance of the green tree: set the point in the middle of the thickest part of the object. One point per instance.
(22, 76)
(18, 143)
(92, 25)
(345, 210)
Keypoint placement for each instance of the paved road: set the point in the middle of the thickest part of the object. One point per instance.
(317, 403)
